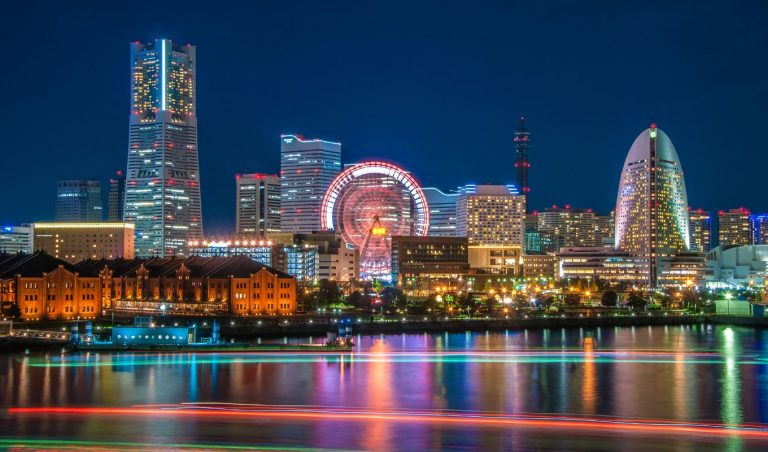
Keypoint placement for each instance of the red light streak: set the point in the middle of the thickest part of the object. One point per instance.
(461, 418)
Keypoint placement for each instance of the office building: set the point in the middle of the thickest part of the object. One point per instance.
(74, 242)
(734, 227)
(442, 212)
(162, 195)
(571, 227)
(16, 239)
(651, 205)
(760, 229)
(542, 242)
(605, 229)
(261, 251)
(338, 260)
(700, 228)
(491, 215)
(257, 200)
(430, 258)
(78, 200)
(495, 259)
(601, 262)
(116, 197)
(539, 266)
(307, 168)
(305, 256)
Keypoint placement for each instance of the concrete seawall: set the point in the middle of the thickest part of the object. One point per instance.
(244, 332)
(316, 326)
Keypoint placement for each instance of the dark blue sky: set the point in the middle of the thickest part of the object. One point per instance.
(434, 86)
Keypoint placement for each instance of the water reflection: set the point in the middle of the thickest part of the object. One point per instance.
(691, 374)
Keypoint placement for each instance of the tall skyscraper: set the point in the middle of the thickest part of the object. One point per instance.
(522, 163)
(78, 200)
(652, 206)
(116, 197)
(442, 212)
(700, 224)
(258, 203)
(162, 195)
(734, 227)
(307, 168)
(491, 215)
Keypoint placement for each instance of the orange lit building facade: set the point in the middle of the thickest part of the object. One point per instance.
(47, 288)
(196, 285)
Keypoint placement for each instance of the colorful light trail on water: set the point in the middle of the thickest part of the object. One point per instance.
(523, 357)
(223, 411)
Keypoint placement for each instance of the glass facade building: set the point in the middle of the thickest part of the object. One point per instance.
(257, 197)
(307, 168)
(116, 197)
(442, 212)
(78, 200)
(162, 196)
(700, 226)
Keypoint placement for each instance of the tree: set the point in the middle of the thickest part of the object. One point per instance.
(11, 310)
(572, 300)
(636, 300)
(328, 292)
(393, 296)
(609, 298)
(355, 299)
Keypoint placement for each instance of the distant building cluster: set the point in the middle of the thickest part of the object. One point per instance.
(317, 218)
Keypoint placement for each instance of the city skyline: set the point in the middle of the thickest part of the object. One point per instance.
(425, 137)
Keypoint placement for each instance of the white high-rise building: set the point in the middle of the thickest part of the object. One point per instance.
(652, 206)
(162, 192)
(258, 204)
(491, 215)
(307, 168)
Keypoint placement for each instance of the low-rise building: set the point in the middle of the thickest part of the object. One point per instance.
(77, 241)
(322, 255)
(539, 266)
(16, 239)
(592, 262)
(234, 285)
(609, 264)
(45, 287)
(504, 260)
(737, 266)
(443, 258)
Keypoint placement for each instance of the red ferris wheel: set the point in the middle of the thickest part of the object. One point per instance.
(370, 202)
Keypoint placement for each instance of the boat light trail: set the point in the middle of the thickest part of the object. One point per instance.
(536, 357)
(469, 419)
(58, 444)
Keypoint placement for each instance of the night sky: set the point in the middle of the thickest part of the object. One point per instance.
(434, 86)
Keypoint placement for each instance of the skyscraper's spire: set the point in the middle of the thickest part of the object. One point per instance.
(522, 163)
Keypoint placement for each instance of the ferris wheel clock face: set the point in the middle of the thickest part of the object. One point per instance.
(369, 203)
